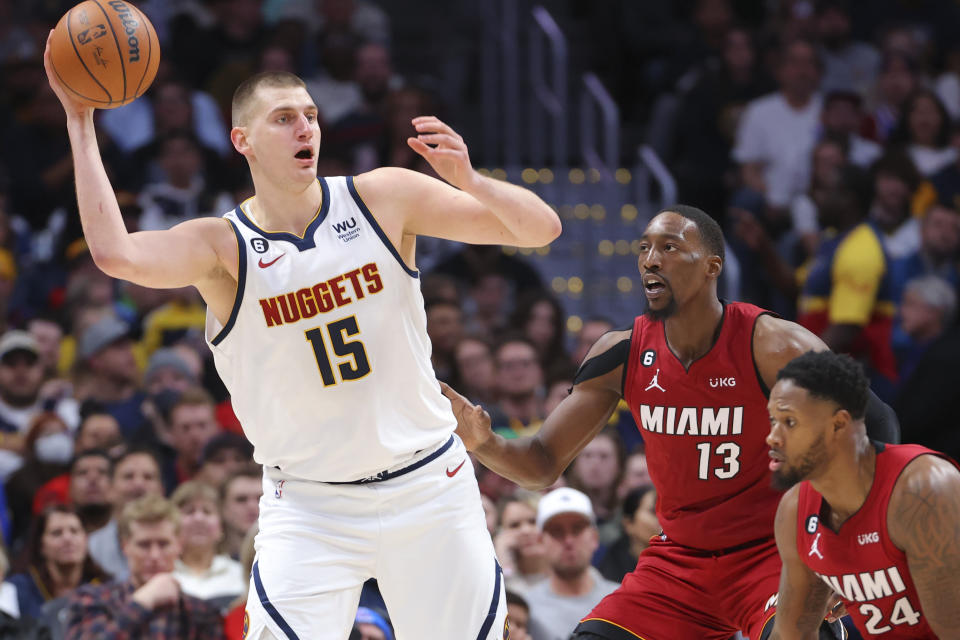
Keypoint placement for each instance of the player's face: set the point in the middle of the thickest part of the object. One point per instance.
(284, 134)
(672, 263)
(797, 439)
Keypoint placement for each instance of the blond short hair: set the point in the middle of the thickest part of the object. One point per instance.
(195, 490)
(243, 96)
(149, 509)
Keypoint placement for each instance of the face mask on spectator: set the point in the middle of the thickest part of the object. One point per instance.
(56, 448)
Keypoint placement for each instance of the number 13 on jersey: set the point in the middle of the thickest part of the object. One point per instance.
(360, 365)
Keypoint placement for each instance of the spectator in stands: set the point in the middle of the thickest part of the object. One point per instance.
(223, 454)
(938, 251)
(372, 624)
(925, 401)
(21, 380)
(924, 131)
(927, 311)
(847, 63)
(193, 424)
(635, 473)
(233, 620)
(895, 180)
(445, 328)
(185, 190)
(48, 449)
(106, 352)
(90, 488)
(573, 587)
(847, 298)
(135, 474)
(589, 333)
(474, 369)
(47, 334)
(707, 118)
(829, 157)
(946, 182)
(898, 79)
(56, 560)
(777, 132)
(171, 105)
(596, 472)
(150, 602)
(518, 544)
(639, 524)
(202, 571)
(540, 318)
(240, 500)
(518, 613)
(557, 388)
(842, 119)
(520, 386)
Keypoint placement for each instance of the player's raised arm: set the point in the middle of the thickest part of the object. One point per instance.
(185, 255)
(478, 210)
(802, 599)
(924, 521)
(536, 462)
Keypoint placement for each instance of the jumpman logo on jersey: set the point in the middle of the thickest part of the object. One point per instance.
(654, 384)
(815, 547)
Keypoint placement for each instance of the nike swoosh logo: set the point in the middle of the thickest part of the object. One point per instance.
(264, 265)
(450, 474)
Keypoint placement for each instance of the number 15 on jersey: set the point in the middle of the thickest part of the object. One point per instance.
(357, 365)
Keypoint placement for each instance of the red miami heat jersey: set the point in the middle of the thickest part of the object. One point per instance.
(860, 562)
(704, 429)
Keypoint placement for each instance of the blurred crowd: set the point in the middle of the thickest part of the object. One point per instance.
(823, 135)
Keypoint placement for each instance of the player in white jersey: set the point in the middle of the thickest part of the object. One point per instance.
(318, 329)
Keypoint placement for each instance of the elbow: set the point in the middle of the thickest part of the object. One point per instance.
(541, 481)
(111, 262)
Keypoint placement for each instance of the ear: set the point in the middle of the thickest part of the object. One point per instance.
(841, 420)
(714, 266)
(238, 136)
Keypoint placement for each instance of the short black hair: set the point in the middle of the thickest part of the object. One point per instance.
(92, 453)
(831, 376)
(710, 231)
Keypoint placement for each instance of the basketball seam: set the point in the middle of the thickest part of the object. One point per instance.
(80, 58)
(69, 88)
(123, 67)
(149, 29)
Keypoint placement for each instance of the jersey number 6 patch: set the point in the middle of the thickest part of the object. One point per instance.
(353, 349)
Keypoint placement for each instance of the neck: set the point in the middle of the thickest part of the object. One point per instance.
(600, 498)
(797, 100)
(233, 541)
(637, 546)
(692, 331)
(63, 577)
(577, 585)
(289, 210)
(198, 558)
(531, 565)
(846, 482)
(111, 390)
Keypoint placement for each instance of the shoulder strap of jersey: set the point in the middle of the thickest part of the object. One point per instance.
(603, 363)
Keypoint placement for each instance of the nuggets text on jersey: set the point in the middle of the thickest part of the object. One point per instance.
(322, 297)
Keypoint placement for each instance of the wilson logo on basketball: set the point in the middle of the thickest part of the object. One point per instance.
(130, 26)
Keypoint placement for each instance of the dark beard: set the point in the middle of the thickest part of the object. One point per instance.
(93, 514)
(664, 313)
(786, 477)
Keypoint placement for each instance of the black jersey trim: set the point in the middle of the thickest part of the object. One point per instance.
(304, 242)
(604, 363)
(376, 227)
(241, 285)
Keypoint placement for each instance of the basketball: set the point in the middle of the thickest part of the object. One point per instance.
(105, 52)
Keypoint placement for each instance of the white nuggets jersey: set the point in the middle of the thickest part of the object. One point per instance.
(325, 353)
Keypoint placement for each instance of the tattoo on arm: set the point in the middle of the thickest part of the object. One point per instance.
(927, 523)
(814, 608)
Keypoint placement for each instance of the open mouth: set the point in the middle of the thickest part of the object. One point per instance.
(304, 154)
(653, 284)
(776, 460)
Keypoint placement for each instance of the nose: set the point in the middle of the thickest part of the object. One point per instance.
(773, 438)
(650, 261)
(304, 129)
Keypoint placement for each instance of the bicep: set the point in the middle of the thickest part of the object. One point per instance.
(185, 255)
(925, 519)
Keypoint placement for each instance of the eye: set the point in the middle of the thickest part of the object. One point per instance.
(644, 247)
(311, 117)
(669, 247)
(790, 422)
(282, 119)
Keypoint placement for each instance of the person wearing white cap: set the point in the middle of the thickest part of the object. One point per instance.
(569, 530)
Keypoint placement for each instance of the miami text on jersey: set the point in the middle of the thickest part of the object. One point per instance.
(862, 587)
(692, 421)
(322, 297)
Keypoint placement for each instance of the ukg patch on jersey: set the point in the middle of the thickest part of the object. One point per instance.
(347, 230)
